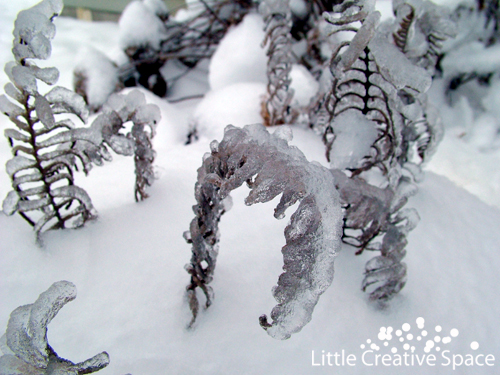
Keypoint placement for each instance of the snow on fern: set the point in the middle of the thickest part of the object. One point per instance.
(42, 167)
(276, 107)
(270, 167)
(150, 37)
(24, 345)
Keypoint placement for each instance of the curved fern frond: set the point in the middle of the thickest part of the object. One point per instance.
(270, 167)
(25, 347)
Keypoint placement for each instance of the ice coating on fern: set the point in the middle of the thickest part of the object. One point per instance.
(276, 108)
(43, 160)
(25, 347)
(270, 167)
(375, 212)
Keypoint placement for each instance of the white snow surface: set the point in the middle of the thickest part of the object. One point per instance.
(240, 57)
(128, 265)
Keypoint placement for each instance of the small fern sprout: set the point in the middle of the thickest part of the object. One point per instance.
(24, 345)
(276, 106)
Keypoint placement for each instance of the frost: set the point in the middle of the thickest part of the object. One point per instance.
(270, 167)
(26, 338)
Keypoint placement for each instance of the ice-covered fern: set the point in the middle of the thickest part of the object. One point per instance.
(421, 28)
(133, 108)
(270, 167)
(374, 221)
(377, 127)
(42, 167)
(24, 345)
(276, 107)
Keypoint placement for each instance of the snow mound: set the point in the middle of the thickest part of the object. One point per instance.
(238, 104)
(240, 57)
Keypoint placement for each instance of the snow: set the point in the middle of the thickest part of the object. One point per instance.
(354, 134)
(128, 265)
(240, 57)
(139, 26)
(303, 84)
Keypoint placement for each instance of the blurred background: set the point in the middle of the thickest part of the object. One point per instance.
(108, 10)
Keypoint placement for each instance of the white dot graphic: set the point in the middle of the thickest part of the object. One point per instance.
(474, 345)
(409, 336)
(454, 332)
(438, 328)
(438, 348)
(401, 339)
(386, 343)
(406, 327)
(419, 338)
(362, 346)
(437, 339)
(424, 333)
(394, 350)
(368, 341)
(420, 322)
(398, 332)
(406, 346)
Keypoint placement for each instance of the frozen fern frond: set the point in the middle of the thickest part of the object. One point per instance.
(421, 29)
(144, 117)
(24, 345)
(276, 109)
(112, 124)
(374, 221)
(270, 167)
(42, 167)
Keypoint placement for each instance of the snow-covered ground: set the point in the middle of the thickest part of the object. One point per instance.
(128, 265)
